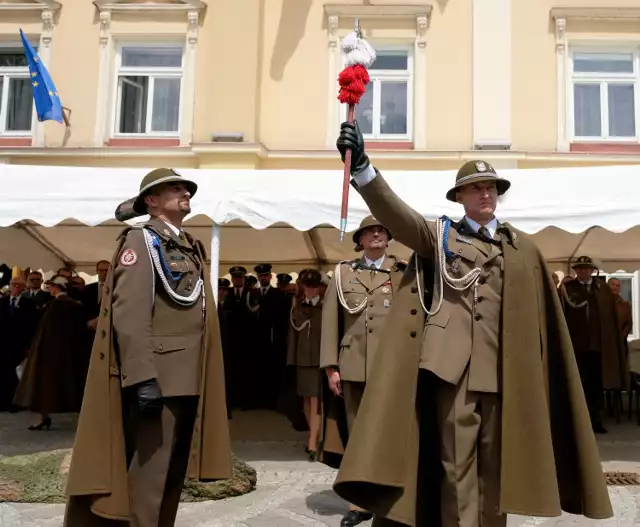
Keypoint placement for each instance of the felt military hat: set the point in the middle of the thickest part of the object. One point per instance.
(251, 280)
(263, 268)
(136, 207)
(369, 221)
(312, 278)
(284, 278)
(223, 282)
(584, 261)
(237, 270)
(474, 172)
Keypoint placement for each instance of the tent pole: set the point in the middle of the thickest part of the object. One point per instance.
(214, 255)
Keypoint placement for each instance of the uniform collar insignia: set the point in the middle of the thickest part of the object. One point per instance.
(463, 239)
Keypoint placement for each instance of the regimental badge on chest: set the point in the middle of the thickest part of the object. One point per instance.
(386, 303)
(453, 266)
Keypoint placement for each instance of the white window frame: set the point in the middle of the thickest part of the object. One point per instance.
(152, 72)
(14, 73)
(602, 80)
(407, 76)
(635, 298)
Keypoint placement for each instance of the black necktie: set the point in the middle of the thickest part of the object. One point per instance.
(484, 232)
(12, 306)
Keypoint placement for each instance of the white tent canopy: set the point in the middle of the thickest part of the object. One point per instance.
(290, 217)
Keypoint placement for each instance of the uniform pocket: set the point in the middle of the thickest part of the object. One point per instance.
(168, 344)
(440, 319)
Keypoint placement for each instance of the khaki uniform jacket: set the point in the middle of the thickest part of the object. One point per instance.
(599, 331)
(98, 472)
(349, 341)
(303, 347)
(549, 457)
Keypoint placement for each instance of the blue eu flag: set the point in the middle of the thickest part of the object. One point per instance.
(45, 95)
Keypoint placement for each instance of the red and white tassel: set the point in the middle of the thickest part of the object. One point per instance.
(353, 79)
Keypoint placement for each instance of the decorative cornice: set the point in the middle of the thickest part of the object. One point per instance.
(133, 7)
(47, 27)
(105, 27)
(261, 152)
(409, 11)
(561, 39)
(40, 5)
(333, 22)
(193, 18)
(422, 24)
(596, 13)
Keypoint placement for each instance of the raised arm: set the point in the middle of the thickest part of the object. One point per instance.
(406, 224)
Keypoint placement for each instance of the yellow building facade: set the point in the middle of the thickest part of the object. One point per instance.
(253, 83)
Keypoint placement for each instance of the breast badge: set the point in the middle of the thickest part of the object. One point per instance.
(386, 303)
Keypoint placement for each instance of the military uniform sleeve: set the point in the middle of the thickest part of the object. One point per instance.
(132, 308)
(330, 337)
(406, 225)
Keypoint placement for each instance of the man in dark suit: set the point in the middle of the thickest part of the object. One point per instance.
(92, 294)
(239, 326)
(270, 309)
(18, 319)
(34, 290)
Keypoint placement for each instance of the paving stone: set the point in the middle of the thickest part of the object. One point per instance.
(292, 492)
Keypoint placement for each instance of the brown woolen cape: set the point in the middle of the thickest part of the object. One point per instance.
(97, 481)
(549, 460)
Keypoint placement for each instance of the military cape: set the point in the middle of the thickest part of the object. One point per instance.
(98, 473)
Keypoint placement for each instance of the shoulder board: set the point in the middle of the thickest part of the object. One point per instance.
(127, 230)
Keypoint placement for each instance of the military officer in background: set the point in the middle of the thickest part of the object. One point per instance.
(239, 327)
(592, 318)
(166, 357)
(355, 310)
(271, 311)
(489, 354)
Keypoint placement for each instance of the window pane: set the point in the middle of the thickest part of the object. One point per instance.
(622, 121)
(20, 104)
(166, 105)
(386, 60)
(133, 104)
(586, 112)
(603, 63)
(12, 58)
(147, 57)
(393, 103)
(364, 111)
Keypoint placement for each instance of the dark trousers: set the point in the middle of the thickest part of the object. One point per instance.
(590, 368)
(158, 455)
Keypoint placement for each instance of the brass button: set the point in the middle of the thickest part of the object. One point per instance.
(480, 298)
(160, 348)
(414, 289)
(370, 318)
(413, 334)
(124, 376)
(105, 312)
(101, 356)
(478, 316)
(104, 333)
(414, 311)
(370, 330)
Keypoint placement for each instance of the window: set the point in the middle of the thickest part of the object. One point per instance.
(605, 96)
(16, 99)
(149, 90)
(385, 111)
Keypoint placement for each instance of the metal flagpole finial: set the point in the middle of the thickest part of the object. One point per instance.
(356, 28)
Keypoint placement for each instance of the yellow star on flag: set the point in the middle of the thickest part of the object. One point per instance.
(50, 93)
(35, 84)
(34, 74)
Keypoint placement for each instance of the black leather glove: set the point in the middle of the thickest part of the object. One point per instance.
(149, 398)
(351, 138)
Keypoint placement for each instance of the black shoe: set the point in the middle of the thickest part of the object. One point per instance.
(354, 518)
(599, 429)
(42, 425)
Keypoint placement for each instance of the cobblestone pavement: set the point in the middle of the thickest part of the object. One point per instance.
(291, 491)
